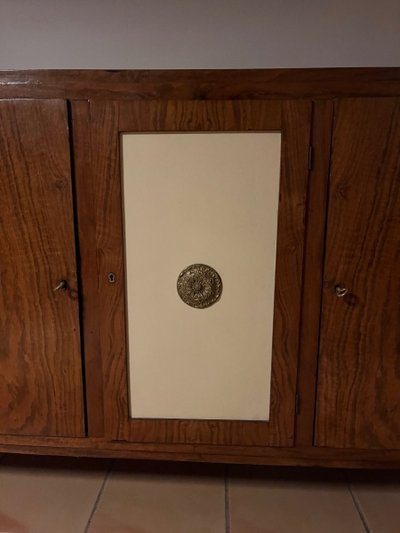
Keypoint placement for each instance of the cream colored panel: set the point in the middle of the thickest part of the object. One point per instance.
(200, 198)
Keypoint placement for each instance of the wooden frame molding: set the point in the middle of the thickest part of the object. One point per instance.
(109, 119)
(301, 456)
(200, 84)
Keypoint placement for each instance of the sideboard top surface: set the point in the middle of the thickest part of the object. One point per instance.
(200, 84)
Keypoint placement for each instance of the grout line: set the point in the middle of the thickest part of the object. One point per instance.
(98, 498)
(358, 507)
(227, 503)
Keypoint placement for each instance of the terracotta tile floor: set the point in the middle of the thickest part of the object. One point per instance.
(60, 495)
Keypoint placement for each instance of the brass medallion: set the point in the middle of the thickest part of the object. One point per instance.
(199, 286)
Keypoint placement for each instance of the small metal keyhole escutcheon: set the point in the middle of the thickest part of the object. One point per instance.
(111, 277)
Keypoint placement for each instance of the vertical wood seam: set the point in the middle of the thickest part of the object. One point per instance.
(77, 262)
(307, 374)
(85, 194)
(328, 186)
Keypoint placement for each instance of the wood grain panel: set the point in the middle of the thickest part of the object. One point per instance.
(107, 121)
(40, 362)
(200, 116)
(106, 210)
(249, 84)
(85, 200)
(359, 375)
(313, 270)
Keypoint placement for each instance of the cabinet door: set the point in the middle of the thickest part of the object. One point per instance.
(220, 184)
(40, 362)
(359, 372)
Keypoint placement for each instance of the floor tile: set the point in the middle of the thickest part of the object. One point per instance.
(48, 494)
(284, 500)
(378, 497)
(162, 499)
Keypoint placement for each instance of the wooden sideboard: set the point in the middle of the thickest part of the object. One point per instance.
(331, 364)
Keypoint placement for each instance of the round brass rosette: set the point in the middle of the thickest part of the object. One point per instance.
(199, 286)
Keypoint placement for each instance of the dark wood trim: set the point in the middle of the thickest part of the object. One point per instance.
(161, 115)
(304, 456)
(200, 84)
(313, 270)
(84, 188)
(107, 215)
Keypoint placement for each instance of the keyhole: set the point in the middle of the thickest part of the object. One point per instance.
(111, 277)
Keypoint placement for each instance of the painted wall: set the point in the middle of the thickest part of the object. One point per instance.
(198, 33)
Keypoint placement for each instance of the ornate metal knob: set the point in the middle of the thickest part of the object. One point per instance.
(199, 286)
